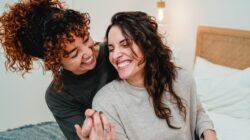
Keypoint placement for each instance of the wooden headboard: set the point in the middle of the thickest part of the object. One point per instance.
(228, 47)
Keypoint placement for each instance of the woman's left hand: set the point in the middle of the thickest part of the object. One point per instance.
(209, 135)
(101, 129)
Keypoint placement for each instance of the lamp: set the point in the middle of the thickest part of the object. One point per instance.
(160, 9)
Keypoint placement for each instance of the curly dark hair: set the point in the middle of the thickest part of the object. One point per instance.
(160, 71)
(39, 29)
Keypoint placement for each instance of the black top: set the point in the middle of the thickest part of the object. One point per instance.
(69, 105)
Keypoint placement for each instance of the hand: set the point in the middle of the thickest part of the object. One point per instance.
(84, 132)
(102, 130)
(209, 134)
(95, 127)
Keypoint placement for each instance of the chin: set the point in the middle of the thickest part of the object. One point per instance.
(123, 76)
(91, 67)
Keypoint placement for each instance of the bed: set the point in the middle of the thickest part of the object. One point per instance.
(222, 74)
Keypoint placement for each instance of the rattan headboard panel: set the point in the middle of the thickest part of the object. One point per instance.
(228, 47)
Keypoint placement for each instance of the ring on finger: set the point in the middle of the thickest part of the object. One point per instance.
(107, 130)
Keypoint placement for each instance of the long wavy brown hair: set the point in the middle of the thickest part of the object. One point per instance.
(39, 29)
(160, 71)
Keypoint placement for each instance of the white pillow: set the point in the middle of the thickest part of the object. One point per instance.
(205, 69)
(222, 89)
(228, 95)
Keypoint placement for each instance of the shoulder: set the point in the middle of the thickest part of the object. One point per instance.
(62, 104)
(53, 100)
(184, 79)
(184, 75)
(108, 93)
(49, 94)
(56, 100)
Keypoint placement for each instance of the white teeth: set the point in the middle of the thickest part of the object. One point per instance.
(89, 60)
(123, 64)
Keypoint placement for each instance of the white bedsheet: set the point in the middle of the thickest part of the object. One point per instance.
(225, 94)
(229, 128)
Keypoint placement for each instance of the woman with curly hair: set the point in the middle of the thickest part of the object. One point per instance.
(153, 99)
(43, 29)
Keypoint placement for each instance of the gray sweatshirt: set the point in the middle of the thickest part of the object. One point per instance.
(131, 110)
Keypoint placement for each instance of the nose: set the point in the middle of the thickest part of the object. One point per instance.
(87, 48)
(91, 42)
(116, 53)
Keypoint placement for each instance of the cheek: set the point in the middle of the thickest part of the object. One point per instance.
(70, 63)
(111, 60)
(63, 62)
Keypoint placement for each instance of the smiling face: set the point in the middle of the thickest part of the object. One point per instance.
(81, 56)
(126, 56)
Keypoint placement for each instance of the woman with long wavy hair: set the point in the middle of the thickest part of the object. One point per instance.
(153, 99)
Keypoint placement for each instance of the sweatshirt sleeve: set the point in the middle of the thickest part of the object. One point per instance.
(104, 101)
(203, 121)
(65, 113)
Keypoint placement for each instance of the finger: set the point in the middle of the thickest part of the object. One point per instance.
(78, 131)
(106, 126)
(98, 124)
(112, 134)
(90, 112)
(87, 126)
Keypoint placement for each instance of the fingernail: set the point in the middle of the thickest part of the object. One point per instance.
(100, 112)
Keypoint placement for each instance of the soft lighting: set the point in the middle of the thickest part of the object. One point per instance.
(160, 10)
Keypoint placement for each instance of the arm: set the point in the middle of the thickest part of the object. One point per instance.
(204, 126)
(66, 114)
(67, 125)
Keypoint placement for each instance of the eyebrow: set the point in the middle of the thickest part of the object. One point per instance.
(120, 41)
(69, 52)
(124, 40)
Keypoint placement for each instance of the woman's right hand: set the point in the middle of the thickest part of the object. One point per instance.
(95, 127)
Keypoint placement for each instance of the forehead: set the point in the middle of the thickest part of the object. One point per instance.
(76, 41)
(115, 34)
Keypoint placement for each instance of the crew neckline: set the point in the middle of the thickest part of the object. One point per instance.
(127, 84)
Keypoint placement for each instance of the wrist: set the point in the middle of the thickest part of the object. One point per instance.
(209, 134)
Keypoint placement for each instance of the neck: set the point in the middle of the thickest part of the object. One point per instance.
(136, 82)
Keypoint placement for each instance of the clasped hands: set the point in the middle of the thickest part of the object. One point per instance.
(95, 127)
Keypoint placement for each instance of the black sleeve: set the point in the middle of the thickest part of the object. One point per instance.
(67, 125)
(66, 113)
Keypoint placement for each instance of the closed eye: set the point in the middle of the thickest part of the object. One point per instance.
(111, 48)
(126, 43)
(86, 39)
(75, 54)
